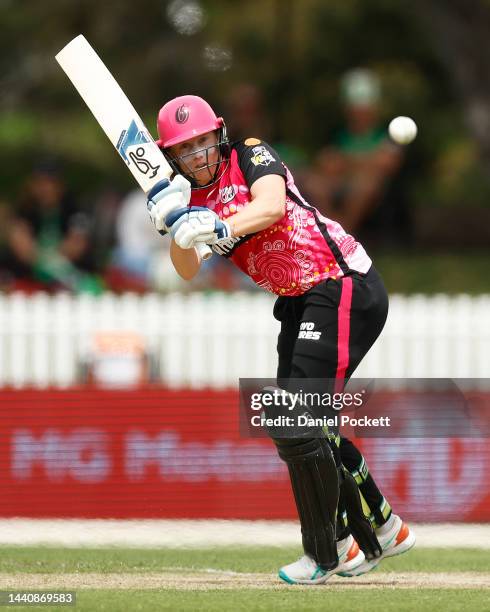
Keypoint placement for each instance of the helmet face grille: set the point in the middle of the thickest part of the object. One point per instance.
(215, 169)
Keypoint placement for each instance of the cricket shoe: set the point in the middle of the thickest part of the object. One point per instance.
(397, 540)
(307, 571)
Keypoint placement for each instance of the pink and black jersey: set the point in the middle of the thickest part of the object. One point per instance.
(298, 251)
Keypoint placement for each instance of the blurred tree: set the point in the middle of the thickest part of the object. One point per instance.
(459, 32)
(294, 52)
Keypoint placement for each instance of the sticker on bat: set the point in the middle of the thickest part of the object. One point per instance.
(132, 137)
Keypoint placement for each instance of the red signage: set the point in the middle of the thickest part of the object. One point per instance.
(155, 453)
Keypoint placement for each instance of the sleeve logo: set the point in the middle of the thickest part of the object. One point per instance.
(261, 156)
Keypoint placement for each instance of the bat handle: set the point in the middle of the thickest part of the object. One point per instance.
(204, 251)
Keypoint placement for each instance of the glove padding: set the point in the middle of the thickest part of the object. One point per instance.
(165, 197)
(189, 226)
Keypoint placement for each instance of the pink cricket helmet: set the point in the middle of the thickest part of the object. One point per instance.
(183, 118)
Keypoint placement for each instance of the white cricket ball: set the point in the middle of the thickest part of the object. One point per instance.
(402, 130)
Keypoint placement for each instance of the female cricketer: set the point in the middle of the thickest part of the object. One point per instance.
(240, 199)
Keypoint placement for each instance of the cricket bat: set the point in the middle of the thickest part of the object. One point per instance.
(117, 117)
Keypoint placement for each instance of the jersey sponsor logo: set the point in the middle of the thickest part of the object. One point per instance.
(182, 114)
(307, 331)
(261, 156)
(226, 194)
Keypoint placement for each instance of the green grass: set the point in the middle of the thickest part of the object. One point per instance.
(314, 600)
(249, 559)
(347, 596)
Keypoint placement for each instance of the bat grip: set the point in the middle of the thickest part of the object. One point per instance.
(204, 250)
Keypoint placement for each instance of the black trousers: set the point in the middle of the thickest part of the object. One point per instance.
(325, 333)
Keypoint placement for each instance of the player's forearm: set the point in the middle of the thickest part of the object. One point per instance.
(186, 261)
(259, 214)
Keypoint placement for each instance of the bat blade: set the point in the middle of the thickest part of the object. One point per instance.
(116, 116)
(114, 112)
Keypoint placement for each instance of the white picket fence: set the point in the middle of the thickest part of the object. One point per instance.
(212, 340)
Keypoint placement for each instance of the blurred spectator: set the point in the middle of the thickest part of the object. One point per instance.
(352, 180)
(48, 237)
(245, 113)
(104, 211)
(246, 117)
(141, 257)
(5, 223)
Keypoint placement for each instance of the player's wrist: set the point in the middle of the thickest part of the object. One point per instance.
(231, 228)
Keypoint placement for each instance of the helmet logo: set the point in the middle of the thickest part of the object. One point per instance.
(182, 114)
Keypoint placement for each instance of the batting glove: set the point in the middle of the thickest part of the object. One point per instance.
(196, 224)
(165, 197)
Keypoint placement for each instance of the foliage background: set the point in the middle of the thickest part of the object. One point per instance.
(432, 58)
